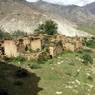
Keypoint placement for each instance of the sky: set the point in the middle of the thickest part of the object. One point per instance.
(67, 2)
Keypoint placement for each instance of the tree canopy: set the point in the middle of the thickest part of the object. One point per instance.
(49, 27)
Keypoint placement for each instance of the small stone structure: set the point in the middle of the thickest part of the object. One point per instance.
(10, 48)
(26, 41)
(1, 48)
(55, 48)
(69, 47)
(35, 43)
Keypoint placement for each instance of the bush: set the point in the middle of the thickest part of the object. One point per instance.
(18, 34)
(82, 51)
(19, 59)
(91, 43)
(49, 27)
(43, 57)
(4, 35)
(90, 78)
(87, 59)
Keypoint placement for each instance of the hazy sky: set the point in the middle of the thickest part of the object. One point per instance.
(67, 2)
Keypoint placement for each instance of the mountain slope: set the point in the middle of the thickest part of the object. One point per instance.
(73, 13)
(17, 16)
(21, 15)
(90, 7)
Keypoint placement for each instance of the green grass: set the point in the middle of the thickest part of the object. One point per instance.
(59, 74)
(88, 29)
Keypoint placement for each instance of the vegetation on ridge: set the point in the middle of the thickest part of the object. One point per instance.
(49, 27)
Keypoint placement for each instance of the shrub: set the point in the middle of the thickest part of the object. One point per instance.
(49, 27)
(4, 35)
(18, 34)
(87, 59)
(43, 57)
(90, 78)
(30, 50)
(19, 59)
(91, 43)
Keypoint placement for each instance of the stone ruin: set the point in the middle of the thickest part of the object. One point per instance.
(31, 47)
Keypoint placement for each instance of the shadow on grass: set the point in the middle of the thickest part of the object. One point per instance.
(11, 84)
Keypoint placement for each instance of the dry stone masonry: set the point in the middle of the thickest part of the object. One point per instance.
(33, 46)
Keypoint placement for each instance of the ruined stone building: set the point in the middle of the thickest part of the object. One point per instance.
(10, 48)
(1, 48)
(35, 43)
(55, 44)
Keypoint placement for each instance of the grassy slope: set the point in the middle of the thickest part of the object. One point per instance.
(88, 29)
(58, 74)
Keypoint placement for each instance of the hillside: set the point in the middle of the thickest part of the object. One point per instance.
(90, 7)
(21, 15)
(73, 13)
(64, 74)
(18, 16)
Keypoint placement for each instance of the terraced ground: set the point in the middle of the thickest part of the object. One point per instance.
(63, 75)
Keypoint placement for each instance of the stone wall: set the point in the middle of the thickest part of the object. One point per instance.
(55, 44)
(36, 44)
(10, 48)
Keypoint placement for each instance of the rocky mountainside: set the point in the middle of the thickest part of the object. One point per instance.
(15, 15)
(73, 13)
(90, 7)
(21, 15)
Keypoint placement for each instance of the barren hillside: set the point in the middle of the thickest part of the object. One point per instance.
(21, 15)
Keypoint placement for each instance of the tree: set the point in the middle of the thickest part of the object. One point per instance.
(91, 43)
(18, 34)
(49, 27)
(4, 35)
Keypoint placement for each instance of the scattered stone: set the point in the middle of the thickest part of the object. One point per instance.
(75, 86)
(87, 74)
(89, 90)
(52, 68)
(58, 92)
(78, 82)
(79, 70)
(68, 86)
(89, 85)
(59, 63)
(59, 57)
(71, 82)
(62, 61)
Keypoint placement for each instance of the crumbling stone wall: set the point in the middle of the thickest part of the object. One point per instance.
(69, 47)
(35, 44)
(10, 48)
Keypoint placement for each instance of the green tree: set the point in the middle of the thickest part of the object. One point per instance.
(18, 34)
(49, 27)
(4, 35)
(91, 43)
